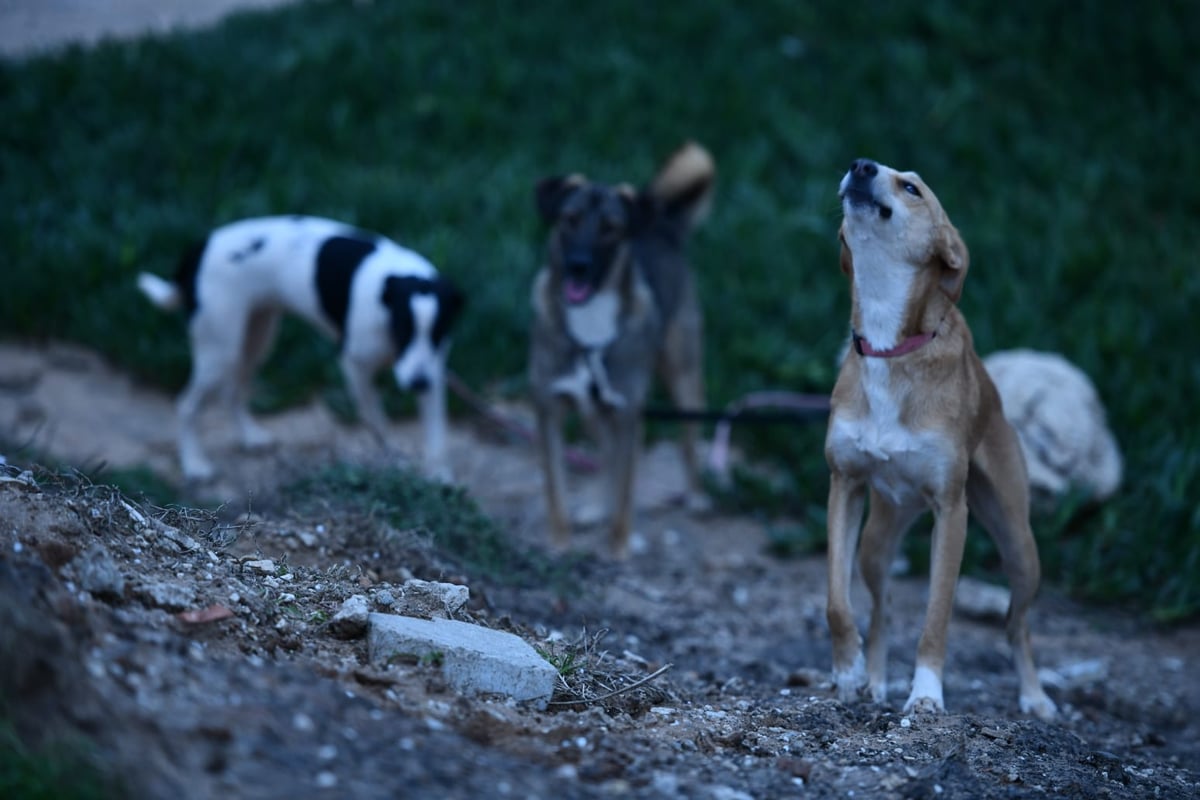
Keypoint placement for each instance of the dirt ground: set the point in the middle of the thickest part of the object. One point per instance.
(198, 675)
(267, 703)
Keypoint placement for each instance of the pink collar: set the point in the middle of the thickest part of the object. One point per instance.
(863, 347)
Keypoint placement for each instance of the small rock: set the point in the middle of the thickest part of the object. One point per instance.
(169, 596)
(99, 574)
(385, 598)
(432, 599)
(350, 621)
(264, 565)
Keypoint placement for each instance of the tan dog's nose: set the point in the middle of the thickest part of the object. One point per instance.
(864, 168)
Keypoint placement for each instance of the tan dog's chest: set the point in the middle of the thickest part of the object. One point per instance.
(870, 440)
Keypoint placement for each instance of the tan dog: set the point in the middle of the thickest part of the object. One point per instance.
(917, 423)
(614, 303)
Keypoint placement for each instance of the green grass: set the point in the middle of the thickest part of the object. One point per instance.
(63, 770)
(1060, 135)
(445, 516)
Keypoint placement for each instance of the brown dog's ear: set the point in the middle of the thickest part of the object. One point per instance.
(846, 259)
(951, 252)
(551, 192)
(640, 207)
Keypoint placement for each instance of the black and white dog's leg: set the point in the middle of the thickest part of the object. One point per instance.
(359, 378)
(431, 405)
(215, 359)
(259, 336)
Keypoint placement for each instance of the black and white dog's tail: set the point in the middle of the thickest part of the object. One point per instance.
(180, 293)
(162, 293)
(683, 186)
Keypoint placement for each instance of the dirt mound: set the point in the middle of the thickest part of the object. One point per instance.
(196, 670)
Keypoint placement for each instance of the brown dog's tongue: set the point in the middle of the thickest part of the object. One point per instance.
(576, 291)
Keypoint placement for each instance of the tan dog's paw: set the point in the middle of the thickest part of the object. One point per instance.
(1039, 705)
(851, 681)
(926, 696)
(924, 705)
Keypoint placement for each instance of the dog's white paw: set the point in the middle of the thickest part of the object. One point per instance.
(440, 473)
(199, 470)
(257, 438)
(851, 681)
(588, 513)
(924, 705)
(926, 696)
(1039, 705)
(697, 503)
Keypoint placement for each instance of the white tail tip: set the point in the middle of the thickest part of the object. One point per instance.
(162, 293)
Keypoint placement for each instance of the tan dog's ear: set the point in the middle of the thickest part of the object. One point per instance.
(846, 259)
(951, 251)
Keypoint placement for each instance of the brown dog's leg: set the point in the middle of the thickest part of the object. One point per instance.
(550, 444)
(885, 527)
(998, 493)
(624, 438)
(682, 369)
(846, 499)
(949, 537)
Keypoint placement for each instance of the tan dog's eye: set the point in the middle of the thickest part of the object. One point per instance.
(912, 189)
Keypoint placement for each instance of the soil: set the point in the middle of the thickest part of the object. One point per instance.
(264, 701)
(197, 673)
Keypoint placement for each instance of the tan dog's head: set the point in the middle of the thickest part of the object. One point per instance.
(895, 216)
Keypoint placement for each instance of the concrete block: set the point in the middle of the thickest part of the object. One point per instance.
(472, 658)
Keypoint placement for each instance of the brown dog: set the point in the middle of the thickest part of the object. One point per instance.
(614, 301)
(917, 423)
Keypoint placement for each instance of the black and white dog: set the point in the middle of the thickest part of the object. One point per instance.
(384, 303)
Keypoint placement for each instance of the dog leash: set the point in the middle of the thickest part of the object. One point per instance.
(761, 408)
(788, 407)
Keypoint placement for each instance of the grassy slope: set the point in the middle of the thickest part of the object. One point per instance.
(1060, 136)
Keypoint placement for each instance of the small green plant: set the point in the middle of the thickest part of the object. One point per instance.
(434, 658)
(567, 662)
(446, 515)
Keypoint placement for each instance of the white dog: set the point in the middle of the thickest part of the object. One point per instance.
(384, 303)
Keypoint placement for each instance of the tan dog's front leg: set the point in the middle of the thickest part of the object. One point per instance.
(886, 524)
(846, 498)
(949, 536)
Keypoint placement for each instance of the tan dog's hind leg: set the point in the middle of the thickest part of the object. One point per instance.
(846, 500)
(999, 497)
(550, 443)
(885, 527)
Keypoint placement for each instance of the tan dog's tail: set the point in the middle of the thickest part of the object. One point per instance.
(683, 185)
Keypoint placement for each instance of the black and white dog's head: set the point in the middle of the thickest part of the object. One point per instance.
(420, 305)
(422, 313)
